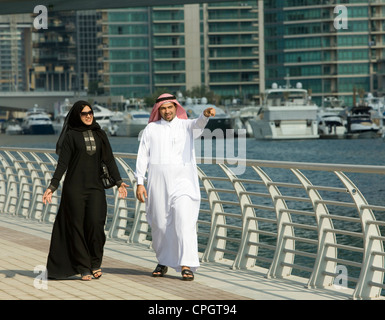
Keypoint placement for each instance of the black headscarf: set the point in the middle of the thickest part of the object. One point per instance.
(73, 122)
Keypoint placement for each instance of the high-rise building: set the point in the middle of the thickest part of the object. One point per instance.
(176, 57)
(89, 50)
(180, 47)
(15, 51)
(135, 51)
(55, 55)
(232, 51)
(332, 47)
(67, 55)
(235, 49)
(127, 54)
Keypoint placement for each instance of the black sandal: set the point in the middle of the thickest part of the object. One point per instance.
(186, 273)
(159, 271)
(97, 273)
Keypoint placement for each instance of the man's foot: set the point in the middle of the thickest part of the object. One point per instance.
(159, 271)
(187, 274)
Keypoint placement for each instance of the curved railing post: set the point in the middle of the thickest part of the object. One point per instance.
(120, 217)
(23, 200)
(140, 225)
(11, 187)
(35, 189)
(327, 252)
(372, 263)
(283, 256)
(49, 211)
(217, 233)
(3, 190)
(246, 249)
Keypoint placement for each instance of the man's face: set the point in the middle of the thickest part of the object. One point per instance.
(167, 111)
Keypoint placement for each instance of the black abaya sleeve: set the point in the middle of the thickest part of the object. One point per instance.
(110, 161)
(62, 164)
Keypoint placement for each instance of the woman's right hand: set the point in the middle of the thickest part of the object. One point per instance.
(47, 196)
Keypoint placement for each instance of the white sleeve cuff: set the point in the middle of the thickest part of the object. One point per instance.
(139, 180)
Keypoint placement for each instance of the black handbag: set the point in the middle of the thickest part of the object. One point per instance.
(107, 180)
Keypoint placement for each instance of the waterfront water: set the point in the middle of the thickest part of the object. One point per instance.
(341, 151)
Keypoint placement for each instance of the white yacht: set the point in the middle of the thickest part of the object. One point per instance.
(130, 122)
(37, 121)
(378, 108)
(286, 113)
(13, 127)
(102, 116)
(364, 122)
(376, 103)
(241, 119)
(331, 119)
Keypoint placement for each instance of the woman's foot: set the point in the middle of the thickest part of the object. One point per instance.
(159, 271)
(97, 273)
(86, 277)
(187, 274)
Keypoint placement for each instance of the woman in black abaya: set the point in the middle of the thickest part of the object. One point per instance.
(78, 237)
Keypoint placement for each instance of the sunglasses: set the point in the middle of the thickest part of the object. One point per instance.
(89, 113)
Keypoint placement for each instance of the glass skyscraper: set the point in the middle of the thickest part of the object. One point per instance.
(332, 47)
(89, 50)
(172, 53)
(67, 55)
(232, 59)
(180, 47)
(54, 55)
(15, 52)
(127, 67)
(235, 49)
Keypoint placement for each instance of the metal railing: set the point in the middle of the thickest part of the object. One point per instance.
(305, 219)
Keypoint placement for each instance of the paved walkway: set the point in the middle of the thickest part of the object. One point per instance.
(24, 245)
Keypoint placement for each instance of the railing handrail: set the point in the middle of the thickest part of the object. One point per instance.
(319, 225)
(261, 163)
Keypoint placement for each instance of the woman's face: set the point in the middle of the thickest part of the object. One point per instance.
(87, 115)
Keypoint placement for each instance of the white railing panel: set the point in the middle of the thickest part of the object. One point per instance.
(291, 218)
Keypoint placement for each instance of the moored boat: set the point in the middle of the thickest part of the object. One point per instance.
(364, 122)
(13, 127)
(286, 113)
(129, 123)
(102, 116)
(331, 119)
(37, 121)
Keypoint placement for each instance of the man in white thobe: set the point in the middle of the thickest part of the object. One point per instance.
(172, 197)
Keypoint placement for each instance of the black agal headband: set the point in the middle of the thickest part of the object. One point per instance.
(165, 98)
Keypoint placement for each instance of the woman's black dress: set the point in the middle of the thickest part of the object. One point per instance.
(78, 236)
